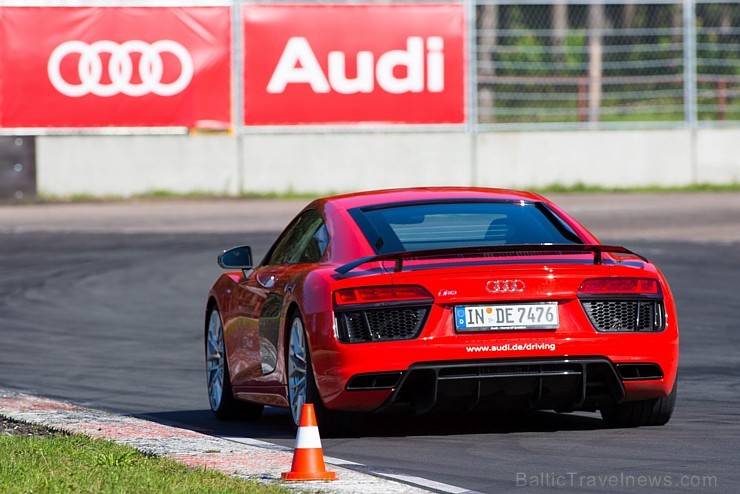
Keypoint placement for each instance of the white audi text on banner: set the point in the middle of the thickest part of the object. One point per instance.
(349, 64)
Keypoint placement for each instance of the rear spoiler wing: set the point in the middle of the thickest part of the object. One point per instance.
(489, 251)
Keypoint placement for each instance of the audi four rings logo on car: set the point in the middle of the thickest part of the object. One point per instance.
(505, 286)
(120, 68)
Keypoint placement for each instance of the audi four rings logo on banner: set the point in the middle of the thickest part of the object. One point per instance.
(120, 68)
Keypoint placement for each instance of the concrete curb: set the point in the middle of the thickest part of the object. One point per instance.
(240, 457)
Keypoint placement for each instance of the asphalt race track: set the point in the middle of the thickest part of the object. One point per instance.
(102, 310)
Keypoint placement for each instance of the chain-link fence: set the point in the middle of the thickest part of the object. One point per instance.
(718, 61)
(557, 63)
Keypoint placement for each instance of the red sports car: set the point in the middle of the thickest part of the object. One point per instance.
(441, 299)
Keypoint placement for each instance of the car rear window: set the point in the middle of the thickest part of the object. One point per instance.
(422, 226)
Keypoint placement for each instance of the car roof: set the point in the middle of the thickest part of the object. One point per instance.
(378, 197)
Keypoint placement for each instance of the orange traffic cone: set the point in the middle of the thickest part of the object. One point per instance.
(308, 458)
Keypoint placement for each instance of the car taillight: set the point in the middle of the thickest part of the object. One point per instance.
(381, 294)
(620, 286)
(623, 304)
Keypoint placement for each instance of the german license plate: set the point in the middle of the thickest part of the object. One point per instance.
(506, 316)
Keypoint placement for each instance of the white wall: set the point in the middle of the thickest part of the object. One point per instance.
(335, 162)
(352, 161)
(719, 153)
(128, 165)
(605, 158)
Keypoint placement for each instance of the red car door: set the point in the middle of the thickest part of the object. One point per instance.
(258, 305)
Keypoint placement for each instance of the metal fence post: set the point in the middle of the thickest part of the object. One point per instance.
(237, 90)
(472, 90)
(689, 66)
(690, 77)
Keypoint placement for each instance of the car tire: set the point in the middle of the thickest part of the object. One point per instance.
(220, 395)
(656, 411)
(302, 386)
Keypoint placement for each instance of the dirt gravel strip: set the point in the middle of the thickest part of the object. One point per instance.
(240, 457)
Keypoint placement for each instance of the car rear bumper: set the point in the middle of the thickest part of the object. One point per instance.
(506, 385)
(529, 380)
(444, 369)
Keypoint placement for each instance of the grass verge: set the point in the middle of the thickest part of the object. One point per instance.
(73, 464)
(577, 188)
(585, 188)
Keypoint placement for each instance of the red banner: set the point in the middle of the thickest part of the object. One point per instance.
(115, 66)
(346, 64)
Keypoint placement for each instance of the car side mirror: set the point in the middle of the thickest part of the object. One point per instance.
(236, 258)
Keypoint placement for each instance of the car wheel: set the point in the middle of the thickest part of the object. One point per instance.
(656, 411)
(302, 387)
(220, 396)
(298, 367)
